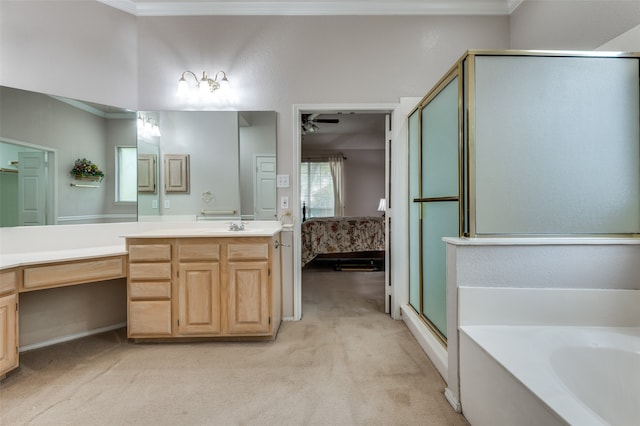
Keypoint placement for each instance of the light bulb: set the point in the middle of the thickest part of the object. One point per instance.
(183, 87)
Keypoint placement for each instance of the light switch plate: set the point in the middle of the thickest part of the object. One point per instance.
(167, 204)
(284, 202)
(282, 181)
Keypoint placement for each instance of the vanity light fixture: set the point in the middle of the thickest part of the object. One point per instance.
(205, 84)
(147, 127)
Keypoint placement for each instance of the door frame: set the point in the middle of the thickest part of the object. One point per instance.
(298, 110)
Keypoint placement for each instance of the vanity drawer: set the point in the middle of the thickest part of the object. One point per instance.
(75, 272)
(150, 290)
(248, 251)
(8, 281)
(149, 252)
(194, 251)
(149, 318)
(150, 271)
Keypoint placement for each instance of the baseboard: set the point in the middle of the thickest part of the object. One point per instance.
(427, 341)
(448, 393)
(70, 337)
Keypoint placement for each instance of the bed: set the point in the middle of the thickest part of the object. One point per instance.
(341, 237)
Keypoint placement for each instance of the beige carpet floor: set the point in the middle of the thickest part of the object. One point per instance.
(345, 363)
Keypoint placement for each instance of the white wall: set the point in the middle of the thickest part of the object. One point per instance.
(571, 25)
(628, 41)
(78, 49)
(364, 181)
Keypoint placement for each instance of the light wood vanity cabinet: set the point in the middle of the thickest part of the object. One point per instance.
(204, 287)
(8, 320)
(149, 289)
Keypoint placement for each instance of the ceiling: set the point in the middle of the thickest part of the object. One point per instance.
(317, 7)
(354, 130)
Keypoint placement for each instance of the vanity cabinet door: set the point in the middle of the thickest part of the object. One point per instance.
(249, 298)
(8, 321)
(8, 334)
(199, 298)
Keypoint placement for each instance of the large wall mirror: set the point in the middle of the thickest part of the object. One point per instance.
(41, 137)
(207, 165)
(228, 171)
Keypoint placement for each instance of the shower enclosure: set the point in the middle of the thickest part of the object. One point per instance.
(518, 143)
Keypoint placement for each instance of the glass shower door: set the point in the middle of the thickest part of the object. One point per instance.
(414, 211)
(434, 211)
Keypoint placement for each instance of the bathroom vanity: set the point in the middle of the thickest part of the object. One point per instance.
(194, 283)
(187, 280)
(35, 271)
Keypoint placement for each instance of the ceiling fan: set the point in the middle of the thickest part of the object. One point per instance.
(310, 122)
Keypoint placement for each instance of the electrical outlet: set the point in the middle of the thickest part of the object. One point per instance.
(167, 204)
(154, 204)
(284, 202)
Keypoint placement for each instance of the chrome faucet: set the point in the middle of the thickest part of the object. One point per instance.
(235, 227)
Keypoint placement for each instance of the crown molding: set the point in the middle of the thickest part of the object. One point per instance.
(310, 8)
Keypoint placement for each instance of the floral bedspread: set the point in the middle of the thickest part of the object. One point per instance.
(341, 235)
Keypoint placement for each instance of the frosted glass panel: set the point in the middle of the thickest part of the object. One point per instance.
(440, 144)
(440, 220)
(414, 212)
(557, 145)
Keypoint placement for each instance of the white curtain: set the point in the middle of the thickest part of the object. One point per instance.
(336, 162)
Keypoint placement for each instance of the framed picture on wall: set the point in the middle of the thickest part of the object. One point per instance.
(176, 173)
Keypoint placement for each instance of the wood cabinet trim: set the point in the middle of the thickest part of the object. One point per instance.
(150, 290)
(8, 334)
(198, 250)
(150, 271)
(8, 281)
(248, 251)
(149, 252)
(61, 274)
(150, 318)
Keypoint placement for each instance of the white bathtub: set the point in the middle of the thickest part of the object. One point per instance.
(550, 375)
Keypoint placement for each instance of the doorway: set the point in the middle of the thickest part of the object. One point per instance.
(343, 130)
(27, 182)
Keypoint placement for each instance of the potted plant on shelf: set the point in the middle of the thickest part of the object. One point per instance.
(86, 170)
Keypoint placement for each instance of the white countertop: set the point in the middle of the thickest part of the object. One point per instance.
(40, 257)
(58, 243)
(531, 241)
(200, 232)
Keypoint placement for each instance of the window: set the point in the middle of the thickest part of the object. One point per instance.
(126, 174)
(316, 188)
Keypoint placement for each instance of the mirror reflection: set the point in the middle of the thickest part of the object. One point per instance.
(41, 138)
(208, 165)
